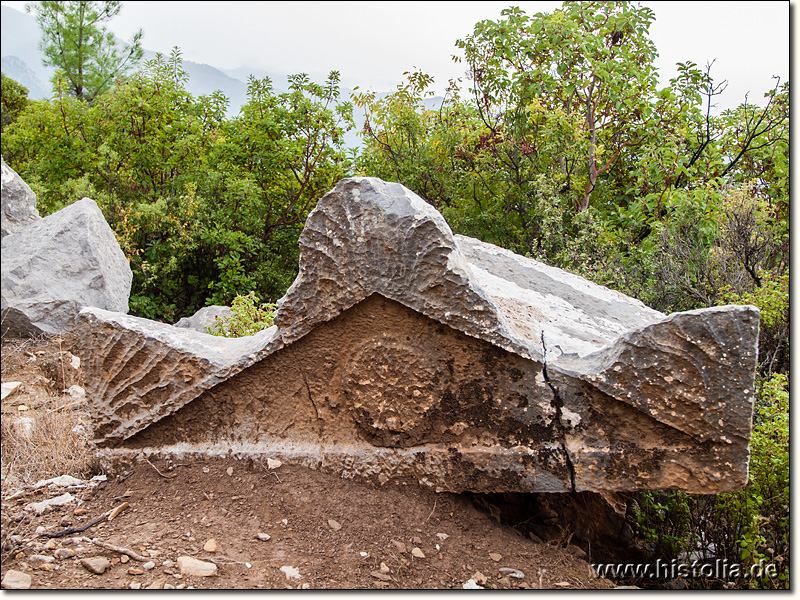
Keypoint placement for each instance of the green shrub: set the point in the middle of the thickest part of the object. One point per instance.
(247, 317)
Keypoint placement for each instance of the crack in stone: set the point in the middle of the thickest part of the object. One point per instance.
(559, 404)
(313, 404)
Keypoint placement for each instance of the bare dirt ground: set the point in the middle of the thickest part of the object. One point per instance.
(323, 532)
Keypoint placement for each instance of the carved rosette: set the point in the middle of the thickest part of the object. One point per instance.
(392, 386)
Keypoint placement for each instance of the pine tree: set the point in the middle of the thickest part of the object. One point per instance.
(76, 42)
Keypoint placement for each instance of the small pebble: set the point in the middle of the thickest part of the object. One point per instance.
(264, 537)
(576, 551)
(96, 564)
(417, 552)
(157, 585)
(515, 573)
(334, 525)
(290, 572)
(16, 580)
(135, 585)
(470, 584)
(197, 568)
(149, 565)
(36, 560)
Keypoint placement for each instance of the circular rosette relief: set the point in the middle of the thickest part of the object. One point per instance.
(392, 385)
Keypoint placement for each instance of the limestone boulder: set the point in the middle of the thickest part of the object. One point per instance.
(59, 264)
(18, 201)
(204, 318)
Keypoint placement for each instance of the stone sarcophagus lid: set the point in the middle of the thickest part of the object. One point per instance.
(403, 351)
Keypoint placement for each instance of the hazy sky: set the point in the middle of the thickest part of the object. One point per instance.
(372, 43)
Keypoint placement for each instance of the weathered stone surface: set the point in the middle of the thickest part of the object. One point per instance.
(670, 404)
(455, 411)
(204, 318)
(18, 201)
(55, 266)
(369, 237)
(402, 351)
(143, 370)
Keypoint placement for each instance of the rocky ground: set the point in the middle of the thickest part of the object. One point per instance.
(252, 524)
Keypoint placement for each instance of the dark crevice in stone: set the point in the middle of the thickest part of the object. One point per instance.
(319, 421)
(559, 404)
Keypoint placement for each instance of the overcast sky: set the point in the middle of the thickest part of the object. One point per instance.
(372, 43)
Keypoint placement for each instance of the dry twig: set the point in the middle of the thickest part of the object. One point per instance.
(159, 472)
(108, 515)
(117, 549)
(432, 510)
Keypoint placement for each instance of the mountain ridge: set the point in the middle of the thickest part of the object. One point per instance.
(22, 61)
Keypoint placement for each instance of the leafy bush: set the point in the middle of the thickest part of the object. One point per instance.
(205, 207)
(13, 99)
(247, 317)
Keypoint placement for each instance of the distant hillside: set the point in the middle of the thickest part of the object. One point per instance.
(19, 49)
(205, 79)
(22, 61)
(19, 71)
